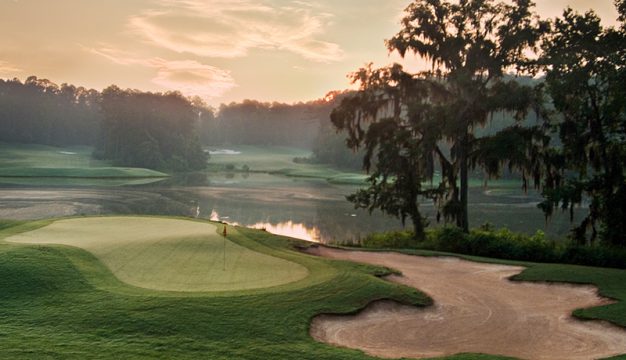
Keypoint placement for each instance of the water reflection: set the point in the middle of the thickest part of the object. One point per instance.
(286, 228)
(307, 209)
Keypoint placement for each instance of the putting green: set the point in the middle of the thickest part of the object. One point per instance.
(168, 254)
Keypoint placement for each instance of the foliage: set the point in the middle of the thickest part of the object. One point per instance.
(150, 130)
(392, 144)
(585, 67)
(40, 111)
(401, 119)
(504, 244)
(252, 122)
(390, 240)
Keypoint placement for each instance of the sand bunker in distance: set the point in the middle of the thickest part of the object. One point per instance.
(477, 309)
(168, 254)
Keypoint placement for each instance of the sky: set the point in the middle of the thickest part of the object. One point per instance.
(220, 50)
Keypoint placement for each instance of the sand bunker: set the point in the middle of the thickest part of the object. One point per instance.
(477, 309)
(168, 254)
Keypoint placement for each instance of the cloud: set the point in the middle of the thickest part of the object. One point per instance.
(7, 69)
(231, 28)
(187, 76)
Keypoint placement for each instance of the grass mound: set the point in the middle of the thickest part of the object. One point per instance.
(42, 161)
(96, 172)
(279, 160)
(35, 155)
(61, 302)
(168, 254)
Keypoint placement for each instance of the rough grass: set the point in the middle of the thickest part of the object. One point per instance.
(168, 254)
(61, 302)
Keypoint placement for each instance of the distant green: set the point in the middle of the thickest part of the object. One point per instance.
(42, 161)
(279, 160)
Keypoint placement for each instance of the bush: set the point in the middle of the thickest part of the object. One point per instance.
(595, 256)
(447, 238)
(390, 240)
(503, 244)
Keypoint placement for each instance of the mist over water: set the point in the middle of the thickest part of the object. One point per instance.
(307, 209)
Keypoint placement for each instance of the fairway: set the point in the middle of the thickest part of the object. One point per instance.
(50, 162)
(168, 254)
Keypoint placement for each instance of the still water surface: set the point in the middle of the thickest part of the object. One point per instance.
(303, 208)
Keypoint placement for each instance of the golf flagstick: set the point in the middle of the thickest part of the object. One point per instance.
(224, 260)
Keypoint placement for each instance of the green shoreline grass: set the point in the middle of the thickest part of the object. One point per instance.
(85, 173)
(74, 162)
(57, 301)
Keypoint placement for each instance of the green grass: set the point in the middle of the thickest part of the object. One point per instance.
(278, 160)
(61, 302)
(34, 155)
(41, 161)
(259, 158)
(81, 182)
(167, 254)
(99, 172)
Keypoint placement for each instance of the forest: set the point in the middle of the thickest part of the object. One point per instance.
(154, 130)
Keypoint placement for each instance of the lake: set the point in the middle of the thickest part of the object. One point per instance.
(310, 209)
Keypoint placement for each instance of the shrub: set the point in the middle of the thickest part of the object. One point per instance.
(503, 244)
(447, 238)
(595, 256)
(390, 240)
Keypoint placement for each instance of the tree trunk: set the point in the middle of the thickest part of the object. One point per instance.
(418, 226)
(462, 220)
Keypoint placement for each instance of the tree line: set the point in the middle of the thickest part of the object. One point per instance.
(42, 112)
(151, 130)
(575, 153)
(162, 131)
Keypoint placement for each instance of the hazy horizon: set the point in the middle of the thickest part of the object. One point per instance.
(223, 51)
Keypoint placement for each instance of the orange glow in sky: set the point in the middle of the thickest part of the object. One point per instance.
(220, 50)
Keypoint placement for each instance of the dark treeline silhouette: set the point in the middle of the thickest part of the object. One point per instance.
(161, 131)
(411, 124)
(150, 130)
(129, 127)
(40, 111)
(303, 125)
(259, 123)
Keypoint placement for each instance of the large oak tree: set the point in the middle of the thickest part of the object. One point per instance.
(403, 120)
(585, 66)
